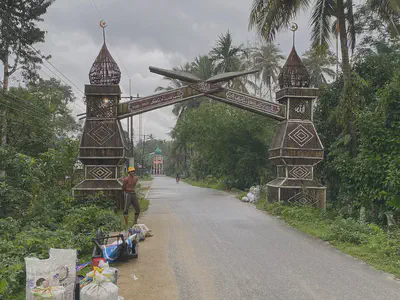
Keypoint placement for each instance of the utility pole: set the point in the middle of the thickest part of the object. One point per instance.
(143, 145)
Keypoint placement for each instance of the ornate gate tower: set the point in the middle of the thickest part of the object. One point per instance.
(103, 147)
(296, 147)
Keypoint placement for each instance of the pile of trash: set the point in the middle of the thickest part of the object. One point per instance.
(56, 278)
(253, 196)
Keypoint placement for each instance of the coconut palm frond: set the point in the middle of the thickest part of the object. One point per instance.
(321, 21)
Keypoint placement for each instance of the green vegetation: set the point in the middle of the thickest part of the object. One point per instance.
(378, 247)
(357, 117)
(146, 177)
(209, 182)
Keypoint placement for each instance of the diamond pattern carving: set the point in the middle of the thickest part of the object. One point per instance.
(300, 172)
(303, 199)
(100, 172)
(101, 133)
(301, 135)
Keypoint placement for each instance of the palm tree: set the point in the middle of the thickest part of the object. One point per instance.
(203, 67)
(389, 11)
(268, 17)
(230, 58)
(267, 59)
(319, 62)
(175, 83)
(178, 108)
(226, 56)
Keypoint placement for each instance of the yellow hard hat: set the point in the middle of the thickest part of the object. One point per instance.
(131, 169)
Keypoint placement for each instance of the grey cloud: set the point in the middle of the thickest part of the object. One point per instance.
(163, 33)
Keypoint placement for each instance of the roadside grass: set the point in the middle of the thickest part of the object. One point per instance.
(204, 184)
(368, 242)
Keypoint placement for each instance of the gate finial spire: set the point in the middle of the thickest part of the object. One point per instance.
(294, 28)
(294, 73)
(103, 25)
(104, 69)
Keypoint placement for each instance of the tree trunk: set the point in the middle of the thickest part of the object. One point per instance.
(4, 112)
(343, 40)
(347, 76)
(270, 89)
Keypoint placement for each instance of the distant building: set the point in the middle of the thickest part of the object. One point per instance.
(158, 162)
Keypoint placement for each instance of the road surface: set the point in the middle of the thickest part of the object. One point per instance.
(209, 245)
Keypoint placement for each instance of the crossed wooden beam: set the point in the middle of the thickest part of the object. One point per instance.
(196, 87)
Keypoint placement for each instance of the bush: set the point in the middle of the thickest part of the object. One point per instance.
(348, 231)
(89, 219)
(100, 200)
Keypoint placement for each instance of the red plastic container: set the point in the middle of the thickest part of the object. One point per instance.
(96, 261)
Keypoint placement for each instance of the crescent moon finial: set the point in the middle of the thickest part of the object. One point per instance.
(103, 24)
(294, 27)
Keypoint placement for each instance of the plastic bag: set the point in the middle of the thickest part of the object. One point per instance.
(110, 274)
(58, 270)
(66, 259)
(99, 289)
(147, 231)
(245, 199)
(250, 196)
(139, 231)
(54, 293)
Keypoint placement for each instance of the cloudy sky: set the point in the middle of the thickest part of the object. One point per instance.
(162, 33)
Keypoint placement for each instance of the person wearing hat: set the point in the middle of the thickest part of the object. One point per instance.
(128, 186)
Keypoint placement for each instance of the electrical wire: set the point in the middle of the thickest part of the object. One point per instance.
(32, 111)
(116, 51)
(75, 104)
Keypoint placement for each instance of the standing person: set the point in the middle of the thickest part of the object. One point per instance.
(177, 178)
(130, 198)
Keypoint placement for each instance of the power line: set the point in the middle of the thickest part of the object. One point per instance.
(116, 51)
(84, 109)
(95, 8)
(38, 114)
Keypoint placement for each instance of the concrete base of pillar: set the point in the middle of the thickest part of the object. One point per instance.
(304, 192)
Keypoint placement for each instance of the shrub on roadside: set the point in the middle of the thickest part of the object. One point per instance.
(348, 231)
(89, 219)
(367, 241)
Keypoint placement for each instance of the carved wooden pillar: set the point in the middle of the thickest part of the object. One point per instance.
(296, 148)
(103, 147)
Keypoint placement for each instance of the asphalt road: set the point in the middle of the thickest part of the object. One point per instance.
(221, 248)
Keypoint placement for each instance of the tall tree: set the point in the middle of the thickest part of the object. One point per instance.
(267, 59)
(38, 116)
(268, 17)
(389, 11)
(174, 84)
(319, 62)
(18, 31)
(226, 56)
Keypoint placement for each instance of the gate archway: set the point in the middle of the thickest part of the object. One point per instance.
(295, 149)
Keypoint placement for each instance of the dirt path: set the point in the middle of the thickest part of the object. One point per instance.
(155, 279)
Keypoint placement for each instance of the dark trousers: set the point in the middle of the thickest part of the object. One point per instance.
(131, 199)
